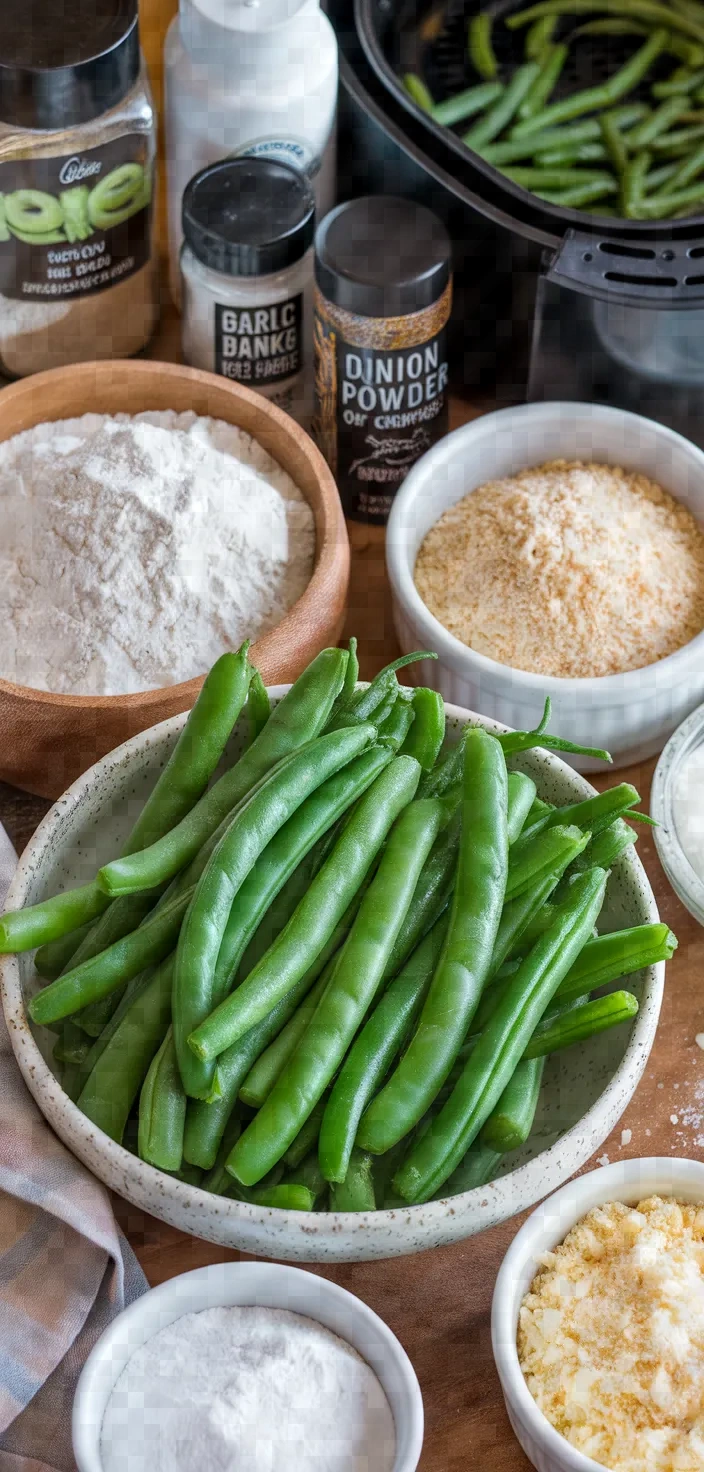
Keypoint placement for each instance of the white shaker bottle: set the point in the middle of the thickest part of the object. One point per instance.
(256, 77)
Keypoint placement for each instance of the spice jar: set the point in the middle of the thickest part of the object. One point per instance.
(247, 278)
(382, 301)
(77, 149)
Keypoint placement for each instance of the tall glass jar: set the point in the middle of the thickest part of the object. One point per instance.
(77, 157)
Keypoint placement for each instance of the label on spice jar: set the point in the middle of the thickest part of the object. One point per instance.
(76, 224)
(260, 345)
(381, 387)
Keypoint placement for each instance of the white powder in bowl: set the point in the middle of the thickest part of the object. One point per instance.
(247, 1390)
(136, 550)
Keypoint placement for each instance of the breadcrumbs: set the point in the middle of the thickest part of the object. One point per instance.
(569, 569)
(611, 1336)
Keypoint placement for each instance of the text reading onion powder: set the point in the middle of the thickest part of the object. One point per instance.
(382, 302)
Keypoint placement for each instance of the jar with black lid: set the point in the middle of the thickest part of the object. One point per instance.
(77, 151)
(382, 302)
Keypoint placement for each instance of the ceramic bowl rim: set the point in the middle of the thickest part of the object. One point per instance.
(427, 1219)
(93, 1378)
(608, 1183)
(621, 688)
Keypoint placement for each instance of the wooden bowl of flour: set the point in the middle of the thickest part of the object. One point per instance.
(47, 740)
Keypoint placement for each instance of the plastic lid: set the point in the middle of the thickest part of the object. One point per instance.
(64, 64)
(382, 257)
(249, 216)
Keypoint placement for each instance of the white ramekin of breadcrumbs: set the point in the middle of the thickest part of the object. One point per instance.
(558, 549)
(598, 1322)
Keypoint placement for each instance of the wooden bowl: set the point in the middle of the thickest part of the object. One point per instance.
(47, 740)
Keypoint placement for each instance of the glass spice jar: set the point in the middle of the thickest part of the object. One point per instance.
(247, 279)
(77, 151)
(382, 302)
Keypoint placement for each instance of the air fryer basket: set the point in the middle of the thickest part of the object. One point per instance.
(648, 262)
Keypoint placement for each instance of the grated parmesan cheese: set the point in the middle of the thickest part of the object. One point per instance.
(611, 1336)
(569, 569)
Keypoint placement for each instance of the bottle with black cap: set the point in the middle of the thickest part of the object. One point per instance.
(247, 278)
(382, 301)
(77, 149)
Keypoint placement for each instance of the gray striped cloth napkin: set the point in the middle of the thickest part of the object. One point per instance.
(65, 1269)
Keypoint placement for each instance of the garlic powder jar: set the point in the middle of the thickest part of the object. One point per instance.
(77, 150)
(247, 279)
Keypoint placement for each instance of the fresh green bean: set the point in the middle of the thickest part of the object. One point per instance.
(606, 847)
(356, 1192)
(72, 1045)
(677, 180)
(551, 69)
(258, 708)
(217, 1179)
(347, 998)
(683, 82)
(579, 196)
(285, 852)
(521, 795)
(53, 958)
(308, 1174)
(121, 1065)
(205, 1123)
(466, 104)
(634, 184)
(539, 37)
(595, 813)
(270, 1064)
(365, 705)
(307, 1137)
(582, 153)
(373, 1052)
(593, 98)
(147, 946)
(542, 853)
(481, 50)
(162, 1110)
(479, 1166)
(464, 965)
(22, 930)
(666, 206)
(581, 1023)
(427, 733)
(572, 136)
(416, 88)
(493, 1061)
(519, 915)
(674, 145)
(609, 957)
(646, 10)
(277, 1198)
(562, 179)
(297, 719)
(251, 829)
(659, 122)
(512, 1118)
(504, 109)
(309, 929)
(614, 145)
(396, 726)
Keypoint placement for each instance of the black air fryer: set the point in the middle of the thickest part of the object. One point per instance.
(551, 303)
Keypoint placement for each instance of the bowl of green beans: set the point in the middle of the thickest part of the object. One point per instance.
(625, 140)
(333, 971)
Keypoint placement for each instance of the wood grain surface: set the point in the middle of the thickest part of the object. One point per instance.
(438, 1302)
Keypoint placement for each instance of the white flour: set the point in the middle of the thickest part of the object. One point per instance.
(247, 1390)
(135, 550)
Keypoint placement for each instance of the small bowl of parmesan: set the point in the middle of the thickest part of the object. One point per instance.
(557, 550)
(251, 1365)
(598, 1322)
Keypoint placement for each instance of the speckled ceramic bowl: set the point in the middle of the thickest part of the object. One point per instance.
(585, 1090)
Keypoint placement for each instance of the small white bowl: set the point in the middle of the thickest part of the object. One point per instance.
(631, 715)
(683, 878)
(629, 1181)
(260, 1284)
